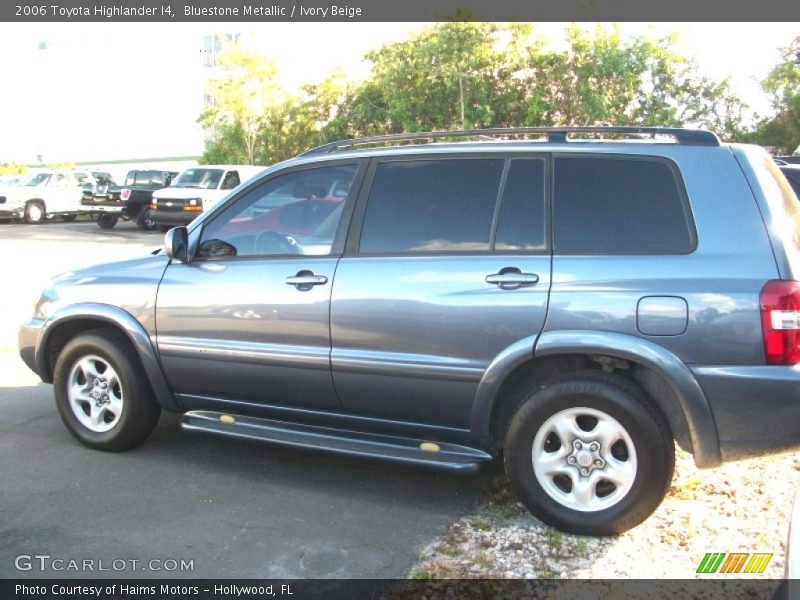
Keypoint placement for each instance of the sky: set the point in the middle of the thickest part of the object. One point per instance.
(112, 91)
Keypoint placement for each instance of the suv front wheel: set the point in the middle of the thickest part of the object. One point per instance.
(101, 393)
(589, 453)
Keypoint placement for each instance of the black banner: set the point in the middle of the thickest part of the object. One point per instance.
(396, 10)
(376, 589)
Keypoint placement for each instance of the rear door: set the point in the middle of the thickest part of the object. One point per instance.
(447, 264)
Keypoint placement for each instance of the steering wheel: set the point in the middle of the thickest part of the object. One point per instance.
(272, 242)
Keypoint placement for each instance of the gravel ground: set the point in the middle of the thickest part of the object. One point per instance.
(740, 507)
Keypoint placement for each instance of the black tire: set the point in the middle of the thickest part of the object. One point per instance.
(627, 404)
(140, 410)
(35, 212)
(144, 220)
(68, 218)
(107, 220)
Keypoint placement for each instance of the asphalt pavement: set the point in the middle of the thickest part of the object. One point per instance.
(185, 504)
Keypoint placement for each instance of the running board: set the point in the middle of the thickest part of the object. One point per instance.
(435, 455)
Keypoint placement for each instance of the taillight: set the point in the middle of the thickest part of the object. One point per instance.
(780, 321)
(125, 194)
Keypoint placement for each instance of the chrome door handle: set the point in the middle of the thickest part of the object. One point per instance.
(304, 280)
(512, 278)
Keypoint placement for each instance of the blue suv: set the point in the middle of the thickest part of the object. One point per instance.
(575, 300)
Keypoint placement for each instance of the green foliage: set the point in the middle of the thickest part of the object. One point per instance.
(463, 75)
(12, 169)
(782, 131)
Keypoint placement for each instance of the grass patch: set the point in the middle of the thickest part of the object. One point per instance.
(554, 539)
(481, 525)
(685, 490)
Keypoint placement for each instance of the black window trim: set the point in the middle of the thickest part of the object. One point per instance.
(337, 246)
(351, 248)
(679, 184)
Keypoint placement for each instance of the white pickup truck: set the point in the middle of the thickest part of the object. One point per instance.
(46, 194)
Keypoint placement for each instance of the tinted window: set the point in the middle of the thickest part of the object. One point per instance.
(289, 214)
(231, 180)
(521, 224)
(431, 205)
(618, 206)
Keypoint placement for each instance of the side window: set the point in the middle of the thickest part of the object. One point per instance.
(521, 224)
(619, 206)
(440, 205)
(61, 180)
(288, 214)
(80, 178)
(231, 180)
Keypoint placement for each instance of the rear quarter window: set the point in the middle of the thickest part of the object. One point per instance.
(619, 205)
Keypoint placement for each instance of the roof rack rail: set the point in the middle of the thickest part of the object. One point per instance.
(689, 137)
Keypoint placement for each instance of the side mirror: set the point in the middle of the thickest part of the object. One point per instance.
(176, 244)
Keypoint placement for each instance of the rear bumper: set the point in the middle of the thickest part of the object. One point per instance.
(756, 409)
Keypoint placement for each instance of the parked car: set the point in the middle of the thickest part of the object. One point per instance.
(195, 190)
(792, 174)
(107, 204)
(46, 194)
(575, 306)
(9, 181)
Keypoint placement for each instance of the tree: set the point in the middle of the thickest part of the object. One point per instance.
(782, 84)
(465, 75)
(12, 169)
(242, 97)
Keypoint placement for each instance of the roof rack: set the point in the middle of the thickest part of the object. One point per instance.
(689, 137)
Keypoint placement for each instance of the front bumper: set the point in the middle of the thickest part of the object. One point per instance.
(756, 409)
(11, 212)
(161, 217)
(28, 338)
(103, 209)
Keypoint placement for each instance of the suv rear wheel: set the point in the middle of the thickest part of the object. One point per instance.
(590, 454)
(101, 394)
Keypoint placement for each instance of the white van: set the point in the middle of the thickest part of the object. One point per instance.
(197, 189)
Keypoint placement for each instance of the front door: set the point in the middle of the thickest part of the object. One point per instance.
(450, 267)
(245, 323)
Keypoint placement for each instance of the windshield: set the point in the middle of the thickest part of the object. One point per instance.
(207, 179)
(103, 178)
(38, 179)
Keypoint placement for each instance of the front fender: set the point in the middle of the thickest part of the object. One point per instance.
(124, 322)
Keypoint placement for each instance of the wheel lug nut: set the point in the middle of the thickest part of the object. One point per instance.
(594, 447)
(577, 444)
(584, 471)
(598, 463)
(571, 460)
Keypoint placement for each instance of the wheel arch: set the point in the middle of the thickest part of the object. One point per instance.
(70, 321)
(667, 380)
